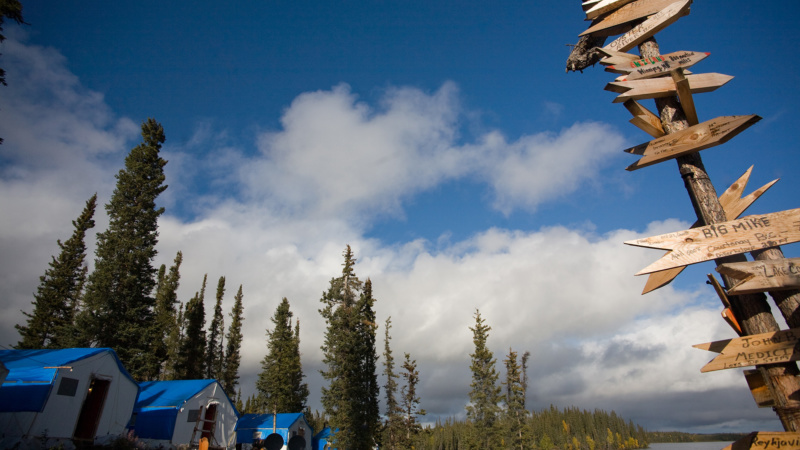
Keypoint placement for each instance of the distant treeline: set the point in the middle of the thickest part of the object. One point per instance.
(677, 436)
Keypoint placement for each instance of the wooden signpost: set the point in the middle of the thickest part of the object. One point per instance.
(626, 14)
(759, 389)
(600, 7)
(614, 57)
(765, 348)
(765, 440)
(734, 204)
(644, 119)
(722, 239)
(693, 139)
(651, 26)
(657, 66)
(665, 87)
(762, 276)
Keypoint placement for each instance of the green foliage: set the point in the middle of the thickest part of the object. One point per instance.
(119, 306)
(50, 325)
(280, 383)
(230, 372)
(191, 358)
(351, 397)
(168, 327)
(515, 434)
(410, 401)
(485, 395)
(393, 426)
(215, 356)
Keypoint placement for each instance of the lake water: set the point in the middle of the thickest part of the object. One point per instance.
(691, 446)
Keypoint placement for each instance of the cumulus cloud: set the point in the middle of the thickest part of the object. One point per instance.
(285, 210)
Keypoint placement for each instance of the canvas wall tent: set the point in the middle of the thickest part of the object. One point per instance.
(61, 396)
(180, 412)
(320, 440)
(274, 431)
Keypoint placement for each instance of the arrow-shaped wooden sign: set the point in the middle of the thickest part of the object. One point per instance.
(767, 440)
(608, 25)
(722, 239)
(644, 119)
(762, 276)
(651, 26)
(765, 348)
(657, 66)
(602, 6)
(614, 57)
(690, 140)
(665, 87)
(733, 203)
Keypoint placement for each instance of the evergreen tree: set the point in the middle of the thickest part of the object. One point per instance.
(351, 397)
(280, 384)
(485, 394)
(394, 421)
(50, 325)
(173, 363)
(193, 347)
(515, 414)
(214, 350)
(166, 319)
(119, 304)
(230, 371)
(410, 400)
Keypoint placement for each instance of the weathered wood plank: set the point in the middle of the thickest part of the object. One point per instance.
(762, 276)
(644, 119)
(651, 26)
(657, 66)
(685, 96)
(690, 140)
(743, 235)
(733, 203)
(627, 13)
(665, 87)
(767, 440)
(765, 348)
(603, 6)
(614, 58)
(759, 389)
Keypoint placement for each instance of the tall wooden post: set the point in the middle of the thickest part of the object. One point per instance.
(752, 310)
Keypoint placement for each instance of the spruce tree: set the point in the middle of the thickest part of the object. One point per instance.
(166, 319)
(214, 350)
(351, 397)
(280, 384)
(394, 422)
(410, 403)
(485, 394)
(193, 347)
(50, 325)
(515, 414)
(230, 372)
(119, 303)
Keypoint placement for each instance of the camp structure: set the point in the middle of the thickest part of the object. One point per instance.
(67, 397)
(288, 431)
(320, 440)
(178, 413)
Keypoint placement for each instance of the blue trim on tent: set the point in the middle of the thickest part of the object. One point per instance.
(248, 423)
(31, 375)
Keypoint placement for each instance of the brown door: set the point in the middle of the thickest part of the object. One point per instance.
(210, 421)
(92, 409)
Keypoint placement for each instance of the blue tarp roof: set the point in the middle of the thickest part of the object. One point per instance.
(249, 423)
(168, 394)
(320, 440)
(31, 374)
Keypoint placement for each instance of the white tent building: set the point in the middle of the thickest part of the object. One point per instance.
(67, 396)
(181, 412)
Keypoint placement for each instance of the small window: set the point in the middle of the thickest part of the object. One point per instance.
(68, 387)
(194, 414)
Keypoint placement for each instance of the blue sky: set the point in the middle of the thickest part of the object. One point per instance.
(442, 140)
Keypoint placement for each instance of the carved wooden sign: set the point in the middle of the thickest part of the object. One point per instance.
(595, 9)
(767, 440)
(659, 65)
(723, 239)
(608, 25)
(690, 140)
(765, 348)
(762, 276)
(651, 26)
(665, 87)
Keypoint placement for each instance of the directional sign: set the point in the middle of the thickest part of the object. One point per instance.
(651, 26)
(767, 440)
(659, 65)
(665, 87)
(614, 57)
(644, 119)
(733, 203)
(722, 239)
(608, 25)
(765, 348)
(602, 7)
(690, 140)
(762, 276)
